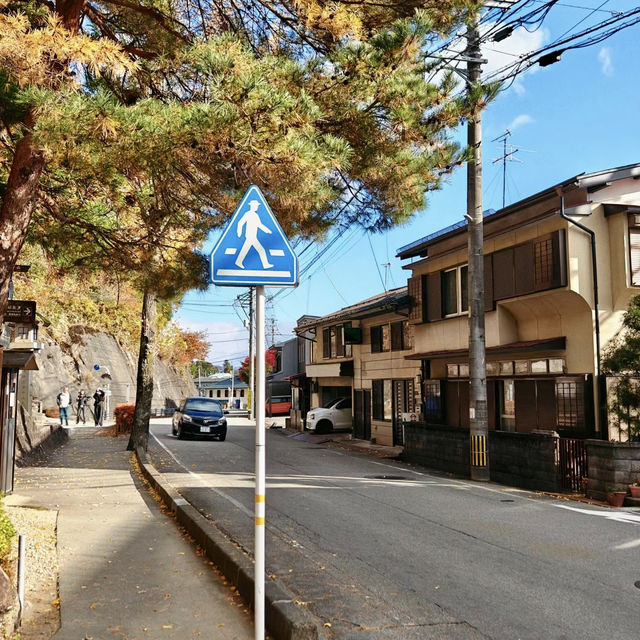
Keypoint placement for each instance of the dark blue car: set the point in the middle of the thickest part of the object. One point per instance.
(199, 417)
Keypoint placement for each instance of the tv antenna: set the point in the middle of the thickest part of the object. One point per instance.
(508, 155)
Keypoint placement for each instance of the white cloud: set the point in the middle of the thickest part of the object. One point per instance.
(604, 56)
(520, 121)
(502, 54)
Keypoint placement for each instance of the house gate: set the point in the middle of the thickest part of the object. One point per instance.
(571, 456)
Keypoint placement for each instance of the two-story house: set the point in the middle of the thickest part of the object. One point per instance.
(559, 270)
(360, 353)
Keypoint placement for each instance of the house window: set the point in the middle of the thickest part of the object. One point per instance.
(569, 403)
(333, 345)
(390, 337)
(508, 405)
(242, 393)
(432, 400)
(543, 262)
(382, 399)
(455, 291)
(219, 393)
(634, 252)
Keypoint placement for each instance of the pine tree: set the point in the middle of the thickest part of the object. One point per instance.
(135, 127)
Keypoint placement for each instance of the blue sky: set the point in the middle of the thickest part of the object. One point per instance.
(578, 115)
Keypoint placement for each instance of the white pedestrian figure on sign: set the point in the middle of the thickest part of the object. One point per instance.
(251, 221)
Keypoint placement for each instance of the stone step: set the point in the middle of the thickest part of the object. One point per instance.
(631, 502)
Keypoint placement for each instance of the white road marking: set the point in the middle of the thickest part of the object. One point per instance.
(609, 514)
(204, 483)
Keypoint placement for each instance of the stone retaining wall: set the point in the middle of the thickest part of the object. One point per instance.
(611, 464)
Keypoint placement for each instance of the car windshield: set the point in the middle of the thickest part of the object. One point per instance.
(203, 404)
(332, 403)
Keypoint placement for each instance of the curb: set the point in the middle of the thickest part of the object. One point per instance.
(284, 619)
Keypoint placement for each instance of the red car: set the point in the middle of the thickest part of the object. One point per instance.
(279, 405)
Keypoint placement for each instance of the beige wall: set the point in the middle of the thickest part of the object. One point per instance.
(389, 365)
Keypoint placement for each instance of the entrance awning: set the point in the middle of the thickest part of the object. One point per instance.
(24, 360)
(530, 346)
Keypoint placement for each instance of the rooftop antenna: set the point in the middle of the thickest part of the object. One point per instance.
(507, 155)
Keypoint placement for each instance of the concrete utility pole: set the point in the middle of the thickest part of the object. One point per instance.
(478, 415)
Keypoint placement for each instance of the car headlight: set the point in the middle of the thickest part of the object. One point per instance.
(311, 416)
(186, 417)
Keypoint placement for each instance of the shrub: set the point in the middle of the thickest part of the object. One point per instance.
(7, 532)
(124, 417)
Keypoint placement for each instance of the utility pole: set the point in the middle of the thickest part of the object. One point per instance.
(478, 415)
(252, 356)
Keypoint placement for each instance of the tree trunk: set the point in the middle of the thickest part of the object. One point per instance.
(17, 207)
(144, 390)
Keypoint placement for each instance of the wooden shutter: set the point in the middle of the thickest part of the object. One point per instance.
(526, 406)
(376, 339)
(546, 401)
(558, 239)
(396, 336)
(414, 286)
(524, 268)
(434, 297)
(377, 399)
(326, 343)
(503, 274)
(488, 283)
(339, 342)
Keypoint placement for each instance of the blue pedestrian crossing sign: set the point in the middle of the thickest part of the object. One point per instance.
(253, 249)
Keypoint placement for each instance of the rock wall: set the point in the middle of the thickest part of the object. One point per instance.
(611, 465)
(72, 364)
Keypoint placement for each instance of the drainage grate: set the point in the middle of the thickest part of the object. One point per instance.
(637, 584)
(385, 477)
(507, 500)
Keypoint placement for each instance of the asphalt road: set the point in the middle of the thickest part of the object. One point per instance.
(413, 554)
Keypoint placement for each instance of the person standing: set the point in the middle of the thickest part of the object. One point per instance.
(64, 402)
(98, 407)
(81, 405)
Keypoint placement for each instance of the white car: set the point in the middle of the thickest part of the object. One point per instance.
(336, 414)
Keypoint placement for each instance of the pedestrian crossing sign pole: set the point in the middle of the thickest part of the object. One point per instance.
(253, 251)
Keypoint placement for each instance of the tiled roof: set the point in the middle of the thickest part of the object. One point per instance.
(383, 302)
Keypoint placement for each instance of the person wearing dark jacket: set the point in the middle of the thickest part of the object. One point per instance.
(98, 407)
(81, 407)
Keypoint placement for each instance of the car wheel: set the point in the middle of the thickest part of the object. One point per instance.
(324, 426)
(173, 429)
(179, 433)
(222, 437)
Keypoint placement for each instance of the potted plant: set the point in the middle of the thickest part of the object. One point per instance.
(615, 497)
(634, 487)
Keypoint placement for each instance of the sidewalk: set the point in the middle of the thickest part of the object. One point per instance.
(125, 570)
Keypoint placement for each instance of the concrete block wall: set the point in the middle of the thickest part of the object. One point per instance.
(525, 460)
(516, 459)
(438, 447)
(611, 464)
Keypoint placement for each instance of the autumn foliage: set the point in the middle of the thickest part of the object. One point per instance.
(124, 417)
(270, 363)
